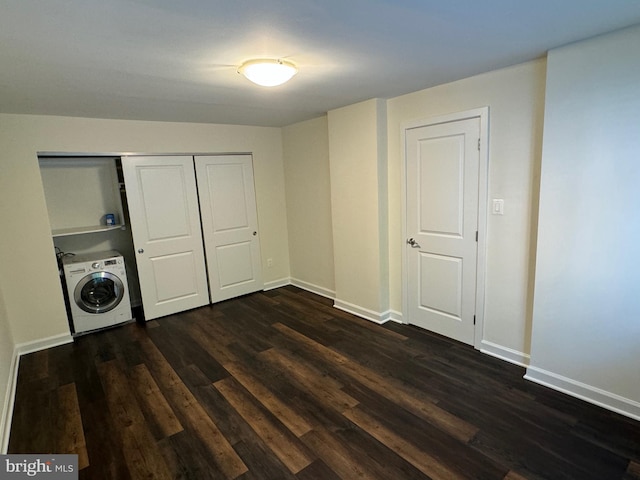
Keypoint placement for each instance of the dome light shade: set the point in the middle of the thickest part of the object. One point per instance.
(268, 72)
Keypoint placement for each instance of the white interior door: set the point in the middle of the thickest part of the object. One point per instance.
(230, 224)
(165, 224)
(442, 171)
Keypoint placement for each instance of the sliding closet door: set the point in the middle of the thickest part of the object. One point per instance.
(229, 224)
(165, 223)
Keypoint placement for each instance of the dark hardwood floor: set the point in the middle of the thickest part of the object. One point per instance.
(281, 385)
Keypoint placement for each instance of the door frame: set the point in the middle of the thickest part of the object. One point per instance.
(482, 114)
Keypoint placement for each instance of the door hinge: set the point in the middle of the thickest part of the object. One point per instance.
(474, 319)
(478, 144)
(476, 235)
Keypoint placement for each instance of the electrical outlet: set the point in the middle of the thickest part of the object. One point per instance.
(269, 262)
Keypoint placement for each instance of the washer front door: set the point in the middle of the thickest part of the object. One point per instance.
(99, 292)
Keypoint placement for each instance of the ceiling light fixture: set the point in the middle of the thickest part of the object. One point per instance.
(268, 72)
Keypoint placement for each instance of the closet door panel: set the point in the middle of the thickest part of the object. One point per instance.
(229, 224)
(167, 237)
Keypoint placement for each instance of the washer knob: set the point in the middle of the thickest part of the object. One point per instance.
(95, 265)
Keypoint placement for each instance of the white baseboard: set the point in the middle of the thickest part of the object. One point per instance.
(282, 282)
(395, 316)
(377, 317)
(504, 353)
(310, 287)
(365, 313)
(43, 343)
(19, 350)
(9, 400)
(588, 393)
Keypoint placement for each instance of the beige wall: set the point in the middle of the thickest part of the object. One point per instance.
(358, 175)
(28, 272)
(515, 97)
(308, 187)
(366, 196)
(586, 333)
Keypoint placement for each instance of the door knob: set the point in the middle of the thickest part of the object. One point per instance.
(141, 250)
(413, 243)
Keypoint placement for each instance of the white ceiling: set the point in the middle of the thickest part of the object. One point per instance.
(176, 60)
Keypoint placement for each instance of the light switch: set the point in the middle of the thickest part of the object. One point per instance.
(498, 206)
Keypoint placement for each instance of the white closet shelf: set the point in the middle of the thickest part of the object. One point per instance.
(63, 232)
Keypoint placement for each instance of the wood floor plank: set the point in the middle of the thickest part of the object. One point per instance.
(60, 360)
(142, 455)
(608, 431)
(411, 400)
(318, 470)
(153, 403)
(89, 351)
(378, 330)
(294, 422)
(284, 312)
(213, 338)
(321, 385)
(295, 303)
(223, 415)
(633, 471)
(426, 437)
(104, 443)
(184, 404)
(303, 387)
(337, 456)
(180, 350)
(262, 463)
(139, 447)
(285, 447)
(123, 338)
(249, 324)
(35, 366)
(356, 371)
(31, 424)
(515, 440)
(188, 459)
(123, 405)
(418, 458)
(514, 476)
(381, 461)
(70, 435)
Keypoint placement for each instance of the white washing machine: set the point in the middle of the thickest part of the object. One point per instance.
(98, 290)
